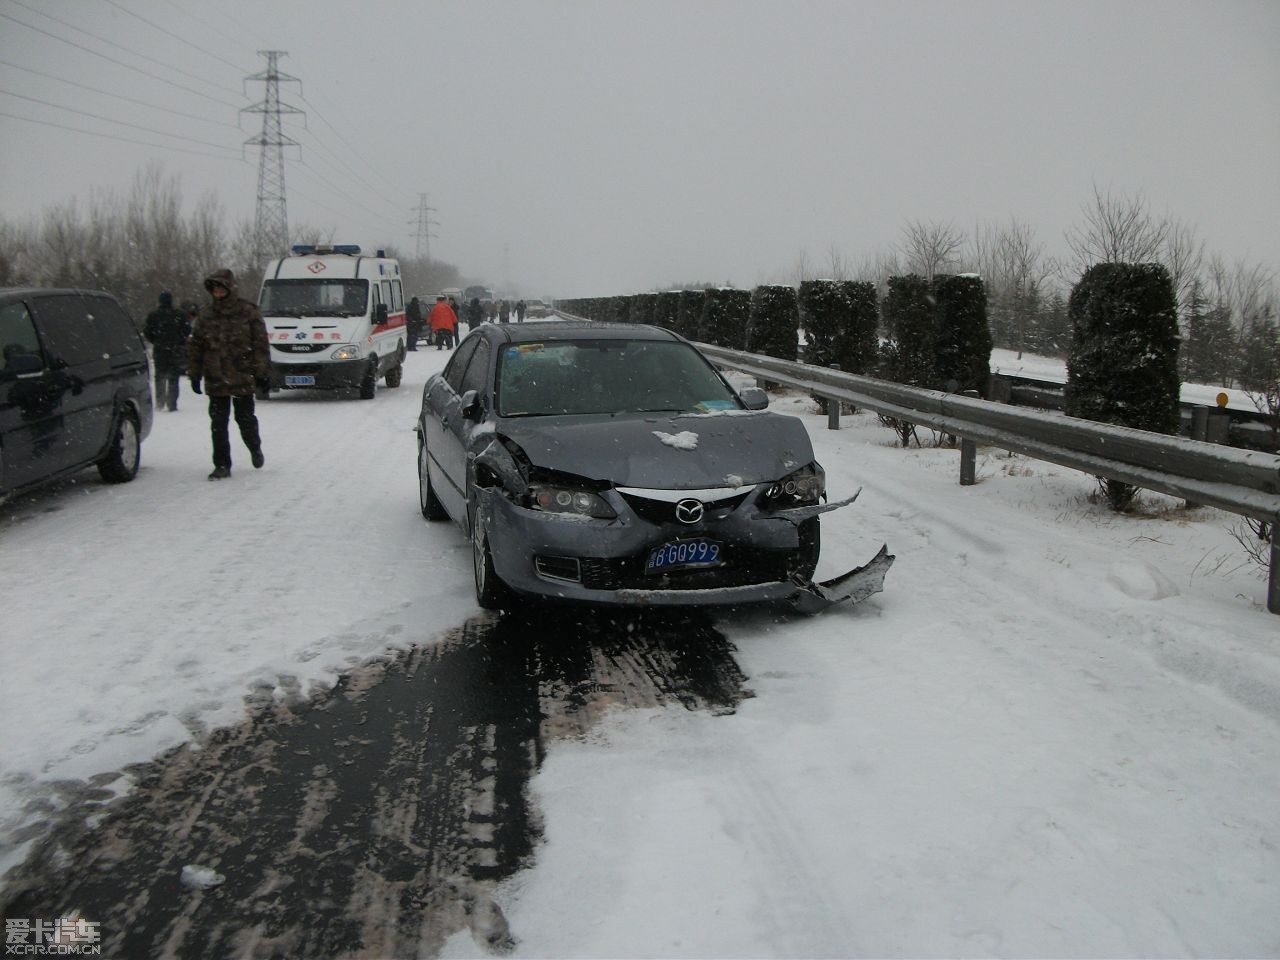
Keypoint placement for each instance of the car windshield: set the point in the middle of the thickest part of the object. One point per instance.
(607, 376)
(315, 298)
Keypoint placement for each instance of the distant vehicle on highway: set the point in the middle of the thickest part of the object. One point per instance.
(74, 388)
(612, 463)
(536, 309)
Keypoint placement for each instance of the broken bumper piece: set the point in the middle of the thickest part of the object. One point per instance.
(854, 586)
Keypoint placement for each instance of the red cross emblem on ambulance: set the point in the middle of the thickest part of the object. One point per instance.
(316, 266)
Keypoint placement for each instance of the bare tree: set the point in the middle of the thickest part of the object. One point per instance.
(837, 263)
(801, 271)
(1183, 256)
(1116, 229)
(930, 248)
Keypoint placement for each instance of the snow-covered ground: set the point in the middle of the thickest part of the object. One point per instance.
(1056, 733)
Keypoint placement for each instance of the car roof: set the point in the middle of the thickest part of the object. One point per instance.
(23, 293)
(576, 330)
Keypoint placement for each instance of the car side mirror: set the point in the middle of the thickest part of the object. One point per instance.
(380, 313)
(753, 398)
(472, 408)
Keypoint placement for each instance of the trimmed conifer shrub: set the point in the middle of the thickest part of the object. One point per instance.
(823, 312)
(963, 358)
(725, 313)
(774, 321)
(642, 305)
(689, 316)
(1123, 365)
(911, 321)
(666, 309)
(857, 346)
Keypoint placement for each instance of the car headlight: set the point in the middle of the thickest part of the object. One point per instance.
(555, 498)
(802, 488)
(348, 351)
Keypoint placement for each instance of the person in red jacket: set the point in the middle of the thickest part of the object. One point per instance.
(444, 322)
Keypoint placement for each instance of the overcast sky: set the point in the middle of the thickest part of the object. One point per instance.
(577, 148)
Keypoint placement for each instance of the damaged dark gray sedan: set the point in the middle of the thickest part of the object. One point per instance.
(613, 464)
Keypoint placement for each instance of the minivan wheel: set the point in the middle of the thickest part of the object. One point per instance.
(369, 384)
(491, 592)
(120, 463)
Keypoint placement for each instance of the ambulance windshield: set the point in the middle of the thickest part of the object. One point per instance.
(315, 298)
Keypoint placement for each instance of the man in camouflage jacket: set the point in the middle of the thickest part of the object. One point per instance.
(228, 352)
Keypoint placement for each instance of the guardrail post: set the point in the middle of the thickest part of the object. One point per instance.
(1218, 428)
(833, 406)
(1200, 423)
(968, 462)
(1273, 577)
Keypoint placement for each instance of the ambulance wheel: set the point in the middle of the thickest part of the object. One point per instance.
(369, 384)
(394, 375)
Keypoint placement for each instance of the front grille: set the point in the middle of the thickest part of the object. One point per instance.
(300, 347)
(663, 511)
(743, 566)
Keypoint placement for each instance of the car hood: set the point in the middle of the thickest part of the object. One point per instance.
(691, 451)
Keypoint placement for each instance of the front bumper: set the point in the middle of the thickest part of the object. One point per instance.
(598, 561)
(329, 374)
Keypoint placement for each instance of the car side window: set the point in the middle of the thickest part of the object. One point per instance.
(458, 365)
(70, 336)
(477, 370)
(17, 335)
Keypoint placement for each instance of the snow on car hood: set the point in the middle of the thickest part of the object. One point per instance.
(629, 450)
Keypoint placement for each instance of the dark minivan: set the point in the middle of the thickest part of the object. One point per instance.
(74, 387)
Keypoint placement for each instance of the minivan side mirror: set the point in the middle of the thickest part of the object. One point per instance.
(472, 408)
(21, 365)
(380, 313)
(753, 398)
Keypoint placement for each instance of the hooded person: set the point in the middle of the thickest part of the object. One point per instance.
(228, 352)
(166, 329)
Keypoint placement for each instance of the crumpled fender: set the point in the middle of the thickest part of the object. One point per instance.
(798, 514)
(495, 457)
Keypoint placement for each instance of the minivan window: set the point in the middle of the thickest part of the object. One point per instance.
(118, 333)
(17, 333)
(69, 334)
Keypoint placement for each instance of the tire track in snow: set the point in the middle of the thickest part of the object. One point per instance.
(374, 821)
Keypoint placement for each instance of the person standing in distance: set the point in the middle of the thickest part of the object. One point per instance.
(228, 351)
(443, 323)
(167, 328)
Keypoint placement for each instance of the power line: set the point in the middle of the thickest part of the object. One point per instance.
(80, 46)
(349, 146)
(122, 123)
(204, 23)
(352, 171)
(108, 136)
(118, 96)
(175, 36)
(121, 46)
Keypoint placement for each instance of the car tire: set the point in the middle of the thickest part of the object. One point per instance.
(491, 592)
(369, 383)
(120, 463)
(428, 503)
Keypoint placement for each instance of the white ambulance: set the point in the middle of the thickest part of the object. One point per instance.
(335, 318)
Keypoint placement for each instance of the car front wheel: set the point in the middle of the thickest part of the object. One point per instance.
(491, 592)
(120, 463)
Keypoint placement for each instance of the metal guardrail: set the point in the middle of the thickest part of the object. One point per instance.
(1243, 482)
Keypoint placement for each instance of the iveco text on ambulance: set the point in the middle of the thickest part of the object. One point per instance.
(334, 318)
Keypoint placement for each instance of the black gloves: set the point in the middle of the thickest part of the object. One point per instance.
(195, 384)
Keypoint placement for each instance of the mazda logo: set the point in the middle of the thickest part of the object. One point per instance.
(689, 510)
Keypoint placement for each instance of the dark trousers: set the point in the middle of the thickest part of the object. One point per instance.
(220, 415)
(167, 390)
(444, 338)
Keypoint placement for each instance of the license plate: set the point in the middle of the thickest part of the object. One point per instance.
(683, 553)
(299, 381)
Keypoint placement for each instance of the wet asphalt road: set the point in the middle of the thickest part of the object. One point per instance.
(373, 822)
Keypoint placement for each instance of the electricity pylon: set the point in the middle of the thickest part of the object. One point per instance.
(271, 218)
